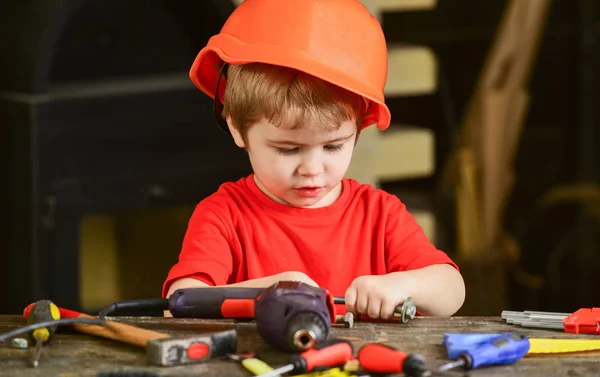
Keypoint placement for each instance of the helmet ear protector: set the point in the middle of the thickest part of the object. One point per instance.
(218, 101)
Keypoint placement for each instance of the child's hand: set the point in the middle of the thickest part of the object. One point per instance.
(376, 295)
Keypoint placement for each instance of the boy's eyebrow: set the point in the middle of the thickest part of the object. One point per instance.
(337, 139)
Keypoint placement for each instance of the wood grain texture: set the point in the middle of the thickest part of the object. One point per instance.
(72, 354)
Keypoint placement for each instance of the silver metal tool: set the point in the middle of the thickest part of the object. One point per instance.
(534, 319)
(190, 349)
(349, 320)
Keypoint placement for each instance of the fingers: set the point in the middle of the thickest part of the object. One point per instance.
(362, 302)
(374, 307)
(387, 309)
(370, 296)
(350, 298)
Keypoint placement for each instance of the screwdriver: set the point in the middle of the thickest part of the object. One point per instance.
(251, 362)
(329, 353)
(42, 311)
(505, 349)
(381, 358)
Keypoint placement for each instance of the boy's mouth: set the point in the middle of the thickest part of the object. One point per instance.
(308, 191)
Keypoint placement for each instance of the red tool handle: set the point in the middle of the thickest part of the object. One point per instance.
(583, 321)
(338, 353)
(379, 358)
(214, 302)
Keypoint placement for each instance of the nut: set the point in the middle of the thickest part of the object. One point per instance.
(349, 320)
(20, 343)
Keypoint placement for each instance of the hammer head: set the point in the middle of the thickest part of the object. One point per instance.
(183, 350)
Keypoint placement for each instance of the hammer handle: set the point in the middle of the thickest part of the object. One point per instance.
(113, 330)
(120, 332)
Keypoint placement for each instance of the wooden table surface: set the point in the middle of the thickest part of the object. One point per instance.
(73, 354)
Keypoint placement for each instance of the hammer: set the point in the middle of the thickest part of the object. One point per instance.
(161, 349)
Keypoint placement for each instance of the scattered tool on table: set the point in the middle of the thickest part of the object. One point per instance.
(331, 372)
(289, 315)
(161, 348)
(41, 325)
(251, 362)
(20, 343)
(584, 321)
(331, 353)
(349, 320)
(183, 350)
(42, 311)
(405, 312)
(381, 358)
(502, 350)
(458, 343)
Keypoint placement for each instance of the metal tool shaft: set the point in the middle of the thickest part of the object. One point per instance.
(38, 352)
(535, 319)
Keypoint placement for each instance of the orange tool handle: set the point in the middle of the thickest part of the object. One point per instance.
(113, 330)
(380, 358)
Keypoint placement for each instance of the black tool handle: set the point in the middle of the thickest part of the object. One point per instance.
(43, 311)
(214, 303)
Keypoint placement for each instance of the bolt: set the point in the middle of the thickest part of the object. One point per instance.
(349, 320)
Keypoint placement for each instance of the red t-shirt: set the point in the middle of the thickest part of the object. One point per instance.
(239, 233)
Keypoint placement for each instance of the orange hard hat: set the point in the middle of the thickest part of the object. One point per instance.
(335, 40)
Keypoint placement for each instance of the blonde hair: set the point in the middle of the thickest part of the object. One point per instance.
(287, 97)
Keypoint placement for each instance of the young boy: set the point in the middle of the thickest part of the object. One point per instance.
(294, 82)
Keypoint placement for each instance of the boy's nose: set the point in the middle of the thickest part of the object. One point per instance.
(310, 166)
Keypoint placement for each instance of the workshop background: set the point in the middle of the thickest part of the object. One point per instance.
(106, 146)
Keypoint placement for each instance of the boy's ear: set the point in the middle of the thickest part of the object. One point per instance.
(237, 137)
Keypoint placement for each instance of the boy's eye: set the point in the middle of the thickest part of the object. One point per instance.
(333, 147)
(286, 151)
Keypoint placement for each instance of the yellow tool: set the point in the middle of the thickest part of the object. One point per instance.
(548, 345)
(42, 311)
(333, 372)
(251, 363)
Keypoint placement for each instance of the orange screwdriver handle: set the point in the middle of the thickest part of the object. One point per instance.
(380, 358)
(330, 356)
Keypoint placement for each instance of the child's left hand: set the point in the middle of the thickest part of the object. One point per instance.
(376, 295)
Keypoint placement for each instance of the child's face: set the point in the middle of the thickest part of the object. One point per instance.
(302, 167)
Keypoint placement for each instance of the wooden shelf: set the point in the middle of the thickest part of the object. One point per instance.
(412, 70)
(401, 152)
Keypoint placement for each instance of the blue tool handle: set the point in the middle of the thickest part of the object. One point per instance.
(457, 344)
(503, 350)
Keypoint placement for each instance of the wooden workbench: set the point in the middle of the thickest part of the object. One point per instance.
(73, 354)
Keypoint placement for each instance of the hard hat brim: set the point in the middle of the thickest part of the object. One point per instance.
(206, 66)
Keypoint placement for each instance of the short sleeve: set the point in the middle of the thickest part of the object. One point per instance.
(206, 253)
(406, 245)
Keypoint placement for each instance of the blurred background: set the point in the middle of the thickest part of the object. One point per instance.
(106, 146)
